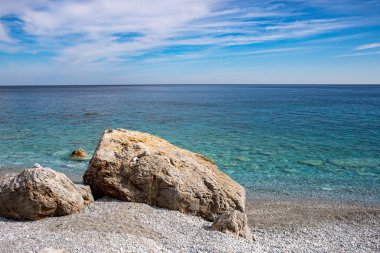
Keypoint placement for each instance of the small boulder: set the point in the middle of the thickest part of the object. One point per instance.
(52, 250)
(78, 154)
(41, 192)
(234, 223)
(140, 167)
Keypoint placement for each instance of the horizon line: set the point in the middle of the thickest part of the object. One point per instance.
(195, 84)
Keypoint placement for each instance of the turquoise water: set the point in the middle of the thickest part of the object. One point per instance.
(283, 141)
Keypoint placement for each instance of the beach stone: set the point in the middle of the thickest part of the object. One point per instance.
(41, 192)
(78, 154)
(51, 250)
(140, 167)
(234, 223)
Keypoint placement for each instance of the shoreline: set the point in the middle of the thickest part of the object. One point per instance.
(261, 196)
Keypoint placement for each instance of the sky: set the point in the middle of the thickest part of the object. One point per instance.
(83, 42)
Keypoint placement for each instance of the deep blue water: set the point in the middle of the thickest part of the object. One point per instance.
(311, 141)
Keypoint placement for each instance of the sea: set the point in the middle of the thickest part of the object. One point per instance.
(284, 141)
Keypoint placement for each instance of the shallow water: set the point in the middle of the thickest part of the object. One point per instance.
(291, 141)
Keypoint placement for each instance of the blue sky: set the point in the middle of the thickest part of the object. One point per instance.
(182, 41)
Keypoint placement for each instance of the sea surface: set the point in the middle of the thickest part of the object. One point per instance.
(285, 141)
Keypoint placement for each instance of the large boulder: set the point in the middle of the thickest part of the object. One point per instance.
(233, 223)
(41, 192)
(140, 167)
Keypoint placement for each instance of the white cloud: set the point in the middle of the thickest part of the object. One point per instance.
(91, 25)
(84, 31)
(360, 54)
(98, 18)
(4, 37)
(368, 46)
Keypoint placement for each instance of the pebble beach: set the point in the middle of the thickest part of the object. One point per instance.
(109, 225)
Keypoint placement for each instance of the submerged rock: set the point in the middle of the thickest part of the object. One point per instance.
(314, 163)
(233, 223)
(140, 167)
(78, 154)
(41, 192)
(356, 162)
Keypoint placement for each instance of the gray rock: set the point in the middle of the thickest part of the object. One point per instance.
(41, 192)
(140, 167)
(233, 223)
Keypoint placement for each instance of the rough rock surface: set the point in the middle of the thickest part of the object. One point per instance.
(140, 167)
(78, 154)
(41, 192)
(233, 223)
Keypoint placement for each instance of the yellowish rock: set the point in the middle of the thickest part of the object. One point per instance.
(78, 154)
(140, 167)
